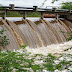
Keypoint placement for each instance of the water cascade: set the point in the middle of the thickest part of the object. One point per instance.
(35, 33)
(10, 35)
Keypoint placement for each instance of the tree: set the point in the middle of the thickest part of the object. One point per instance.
(67, 5)
(46, 0)
(54, 1)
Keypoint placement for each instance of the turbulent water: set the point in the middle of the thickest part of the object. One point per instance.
(55, 49)
(41, 30)
(41, 36)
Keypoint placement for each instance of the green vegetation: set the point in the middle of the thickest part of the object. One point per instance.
(54, 1)
(16, 62)
(68, 49)
(33, 14)
(49, 62)
(23, 61)
(16, 14)
(67, 5)
(69, 36)
(4, 41)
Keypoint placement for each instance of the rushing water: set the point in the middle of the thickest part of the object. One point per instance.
(43, 35)
(40, 36)
(55, 49)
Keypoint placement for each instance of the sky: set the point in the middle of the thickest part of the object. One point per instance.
(30, 3)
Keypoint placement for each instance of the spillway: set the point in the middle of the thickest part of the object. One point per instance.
(30, 35)
(10, 35)
(37, 33)
(44, 32)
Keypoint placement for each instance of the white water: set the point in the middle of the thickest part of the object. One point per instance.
(54, 49)
(30, 18)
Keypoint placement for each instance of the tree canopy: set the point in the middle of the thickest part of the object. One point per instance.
(67, 5)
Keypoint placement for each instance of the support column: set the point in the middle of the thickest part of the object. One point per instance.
(41, 15)
(54, 9)
(57, 16)
(35, 8)
(4, 15)
(69, 11)
(11, 6)
(24, 15)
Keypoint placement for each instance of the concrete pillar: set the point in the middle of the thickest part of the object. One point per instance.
(41, 15)
(57, 16)
(4, 15)
(11, 6)
(69, 11)
(35, 8)
(54, 9)
(24, 15)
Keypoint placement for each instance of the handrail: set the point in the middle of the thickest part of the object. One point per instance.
(25, 7)
(5, 6)
(17, 7)
(12, 8)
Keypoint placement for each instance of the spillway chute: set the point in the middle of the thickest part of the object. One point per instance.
(54, 31)
(38, 33)
(10, 35)
(16, 29)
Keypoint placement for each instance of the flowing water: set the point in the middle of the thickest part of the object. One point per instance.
(37, 33)
(10, 35)
(54, 49)
(41, 36)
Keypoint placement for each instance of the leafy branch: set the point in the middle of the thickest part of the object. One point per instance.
(4, 41)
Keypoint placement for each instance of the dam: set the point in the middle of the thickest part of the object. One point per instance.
(35, 32)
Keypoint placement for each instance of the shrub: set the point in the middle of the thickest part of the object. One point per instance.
(67, 5)
(4, 41)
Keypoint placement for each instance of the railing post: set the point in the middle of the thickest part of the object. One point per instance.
(41, 15)
(11, 6)
(4, 15)
(69, 11)
(54, 9)
(35, 8)
(57, 16)
(24, 15)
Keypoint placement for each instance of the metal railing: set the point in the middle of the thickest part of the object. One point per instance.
(11, 8)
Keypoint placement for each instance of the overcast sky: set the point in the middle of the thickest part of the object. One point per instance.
(30, 3)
